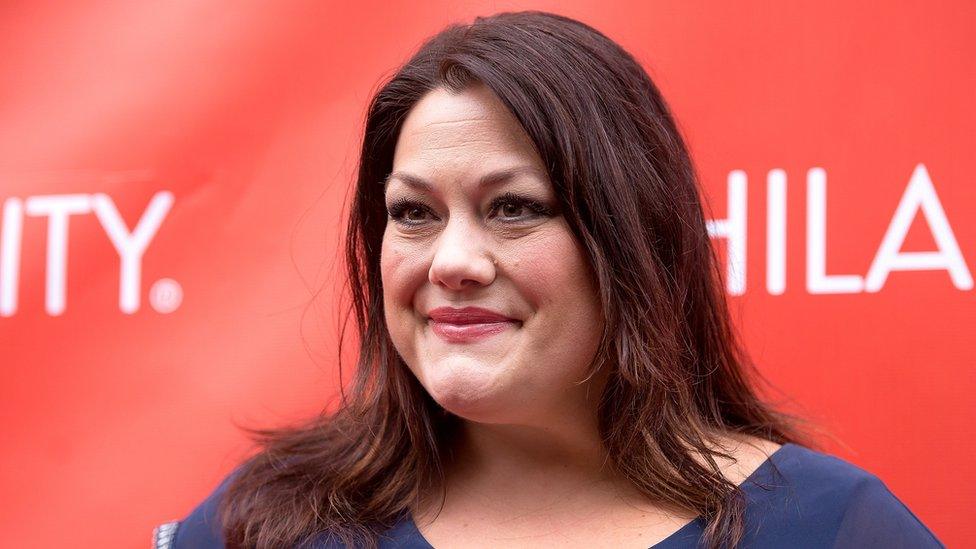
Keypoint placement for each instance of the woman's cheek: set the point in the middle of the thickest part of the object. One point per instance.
(553, 275)
(545, 268)
(397, 268)
(396, 276)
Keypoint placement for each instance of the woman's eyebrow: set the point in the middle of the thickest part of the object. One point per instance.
(487, 180)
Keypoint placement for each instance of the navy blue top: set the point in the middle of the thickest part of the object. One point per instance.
(797, 498)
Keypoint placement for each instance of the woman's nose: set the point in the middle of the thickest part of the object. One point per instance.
(460, 259)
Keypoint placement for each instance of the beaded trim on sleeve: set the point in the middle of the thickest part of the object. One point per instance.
(164, 535)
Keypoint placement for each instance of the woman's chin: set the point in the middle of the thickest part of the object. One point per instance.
(474, 403)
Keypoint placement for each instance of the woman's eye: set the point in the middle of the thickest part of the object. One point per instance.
(409, 212)
(508, 208)
(414, 214)
(512, 207)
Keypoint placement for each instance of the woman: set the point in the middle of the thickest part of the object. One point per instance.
(546, 354)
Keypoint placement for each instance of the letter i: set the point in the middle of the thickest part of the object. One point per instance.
(10, 239)
(776, 232)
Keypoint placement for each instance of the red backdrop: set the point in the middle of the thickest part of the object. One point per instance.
(172, 184)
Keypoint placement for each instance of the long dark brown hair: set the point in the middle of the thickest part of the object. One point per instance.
(677, 376)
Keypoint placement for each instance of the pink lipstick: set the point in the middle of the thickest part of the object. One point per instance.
(468, 324)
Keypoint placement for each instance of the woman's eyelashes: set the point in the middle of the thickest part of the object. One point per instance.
(409, 212)
(506, 208)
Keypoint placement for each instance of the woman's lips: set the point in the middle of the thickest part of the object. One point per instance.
(467, 333)
(468, 324)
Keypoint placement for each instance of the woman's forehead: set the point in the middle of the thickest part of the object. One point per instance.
(472, 123)
(482, 180)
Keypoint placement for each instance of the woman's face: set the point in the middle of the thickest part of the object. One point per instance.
(487, 294)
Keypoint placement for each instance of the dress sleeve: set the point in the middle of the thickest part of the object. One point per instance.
(877, 518)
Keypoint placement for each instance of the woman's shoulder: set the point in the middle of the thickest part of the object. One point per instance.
(824, 474)
(201, 528)
(804, 497)
(819, 477)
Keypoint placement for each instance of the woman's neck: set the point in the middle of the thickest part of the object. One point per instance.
(525, 469)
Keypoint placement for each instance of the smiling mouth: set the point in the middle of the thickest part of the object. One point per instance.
(470, 332)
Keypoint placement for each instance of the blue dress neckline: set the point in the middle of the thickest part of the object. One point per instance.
(410, 525)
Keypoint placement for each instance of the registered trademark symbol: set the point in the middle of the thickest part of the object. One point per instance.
(165, 295)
